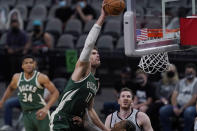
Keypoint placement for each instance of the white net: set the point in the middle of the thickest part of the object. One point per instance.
(153, 63)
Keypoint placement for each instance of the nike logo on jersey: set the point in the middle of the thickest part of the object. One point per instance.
(67, 97)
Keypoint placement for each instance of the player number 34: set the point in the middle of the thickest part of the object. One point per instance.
(27, 97)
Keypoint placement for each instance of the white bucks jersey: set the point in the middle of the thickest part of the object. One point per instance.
(132, 117)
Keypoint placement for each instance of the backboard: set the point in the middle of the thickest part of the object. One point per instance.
(152, 26)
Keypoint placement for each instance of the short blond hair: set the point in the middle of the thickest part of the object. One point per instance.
(126, 89)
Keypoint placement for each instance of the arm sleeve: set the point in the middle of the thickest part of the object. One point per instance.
(89, 43)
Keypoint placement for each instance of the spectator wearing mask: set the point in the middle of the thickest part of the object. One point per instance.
(16, 40)
(183, 101)
(64, 12)
(84, 11)
(164, 89)
(144, 91)
(39, 40)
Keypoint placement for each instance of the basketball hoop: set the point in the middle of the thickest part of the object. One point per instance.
(153, 63)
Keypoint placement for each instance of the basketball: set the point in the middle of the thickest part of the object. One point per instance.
(114, 7)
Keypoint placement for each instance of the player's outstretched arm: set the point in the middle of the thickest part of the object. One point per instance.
(10, 89)
(144, 121)
(44, 80)
(94, 117)
(82, 68)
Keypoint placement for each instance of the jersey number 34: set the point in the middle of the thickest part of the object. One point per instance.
(27, 97)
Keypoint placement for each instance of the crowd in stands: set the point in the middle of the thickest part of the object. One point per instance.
(59, 17)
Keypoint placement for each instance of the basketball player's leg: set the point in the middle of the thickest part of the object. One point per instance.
(42, 125)
(28, 123)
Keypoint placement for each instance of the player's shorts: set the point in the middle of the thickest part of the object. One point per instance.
(63, 123)
(33, 124)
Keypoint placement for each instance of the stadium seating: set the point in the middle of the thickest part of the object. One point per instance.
(52, 12)
(142, 3)
(74, 27)
(140, 13)
(23, 10)
(5, 8)
(66, 41)
(29, 27)
(154, 3)
(46, 3)
(88, 26)
(113, 27)
(153, 22)
(8, 2)
(120, 44)
(81, 41)
(38, 12)
(105, 43)
(154, 12)
(54, 27)
(3, 40)
(27, 3)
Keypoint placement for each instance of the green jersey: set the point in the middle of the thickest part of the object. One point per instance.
(30, 92)
(74, 99)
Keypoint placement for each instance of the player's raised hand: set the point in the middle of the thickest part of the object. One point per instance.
(103, 11)
(41, 114)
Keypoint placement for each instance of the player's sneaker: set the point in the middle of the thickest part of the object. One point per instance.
(6, 128)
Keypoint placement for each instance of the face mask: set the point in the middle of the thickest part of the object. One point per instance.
(62, 3)
(37, 30)
(15, 29)
(139, 80)
(189, 76)
(170, 74)
(82, 4)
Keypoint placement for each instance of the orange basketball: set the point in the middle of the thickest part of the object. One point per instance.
(114, 7)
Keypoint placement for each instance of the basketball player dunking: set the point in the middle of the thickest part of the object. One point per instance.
(81, 88)
(140, 119)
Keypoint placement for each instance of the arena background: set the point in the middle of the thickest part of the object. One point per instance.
(57, 63)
